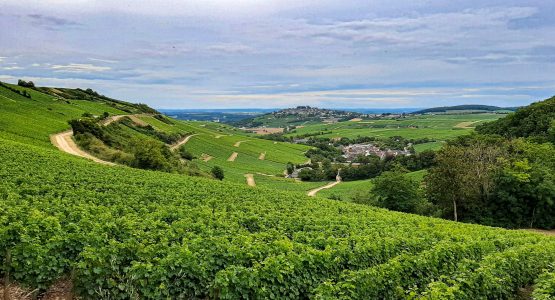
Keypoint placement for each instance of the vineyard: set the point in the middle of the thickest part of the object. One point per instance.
(121, 233)
(117, 232)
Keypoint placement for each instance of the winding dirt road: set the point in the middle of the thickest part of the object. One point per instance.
(182, 141)
(250, 180)
(65, 143)
(313, 192)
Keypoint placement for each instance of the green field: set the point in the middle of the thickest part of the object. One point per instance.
(116, 232)
(348, 189)
(438, 127)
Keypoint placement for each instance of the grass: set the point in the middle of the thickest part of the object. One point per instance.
(348, 189)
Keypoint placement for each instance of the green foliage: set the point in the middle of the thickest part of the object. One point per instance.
(544, 288)
(152, 155)
(87, 125)
(128, 233)
(24, 83)
(185, 154)
(217, 172)
(497, 182)
(534, 121)
(393, 190)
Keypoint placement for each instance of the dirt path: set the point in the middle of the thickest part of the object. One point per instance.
(250, 179)
(182, 141)
(542, 231)
(205, 157)
(218, 136)
(65, 143)
(111, 119)
(233, 156)
(313, 192)
(262, 156)
(466, 125)
(237, 144)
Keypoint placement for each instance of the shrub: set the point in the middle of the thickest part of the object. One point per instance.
(217, 172)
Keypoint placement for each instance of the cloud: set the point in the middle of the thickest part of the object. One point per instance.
(79, 68)
(12, 68)
(230, 48)
(109, 61)
(51, 23)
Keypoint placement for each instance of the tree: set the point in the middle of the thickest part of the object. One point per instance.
(150, 154)
(395, 191)
(290, 168)
(217, 172)
(24, 83)
(462, 179)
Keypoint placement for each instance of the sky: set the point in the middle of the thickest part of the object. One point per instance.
(284, 53)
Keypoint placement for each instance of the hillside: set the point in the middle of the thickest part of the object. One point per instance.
(299, 115)
(119, 232)
(534, 121)
(210, 144)
(475, 108)
(41, 114)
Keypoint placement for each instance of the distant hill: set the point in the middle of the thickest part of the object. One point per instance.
(536, 120)
(469, 107)
(297, 116)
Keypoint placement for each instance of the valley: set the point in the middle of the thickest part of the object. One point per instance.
(103, 228)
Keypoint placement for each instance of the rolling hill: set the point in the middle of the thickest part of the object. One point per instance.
(300, 115)
(118, 232)
(534, 121)
(468, 108)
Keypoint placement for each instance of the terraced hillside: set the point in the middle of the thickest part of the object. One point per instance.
(239, 154)
(44, 114)
(107, 232)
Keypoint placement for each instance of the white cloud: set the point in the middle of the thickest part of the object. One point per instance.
(109, 61)
(79, 68)
(230, 48)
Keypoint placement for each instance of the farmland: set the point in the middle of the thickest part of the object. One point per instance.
(437, 127)
(123, 231)
(119, 232)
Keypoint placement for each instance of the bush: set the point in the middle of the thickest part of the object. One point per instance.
(24, 83)
(217, 172)
(86, 126)
(185, 154)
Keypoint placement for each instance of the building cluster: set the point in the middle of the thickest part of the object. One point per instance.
(327, 115)
(351, 152)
